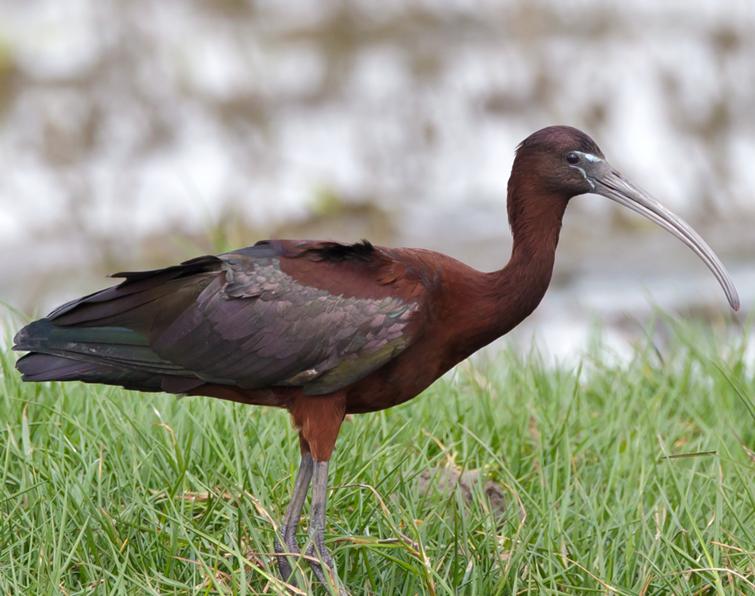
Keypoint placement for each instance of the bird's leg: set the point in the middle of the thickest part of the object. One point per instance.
(319, 420)
(293, 514)
(317, 546)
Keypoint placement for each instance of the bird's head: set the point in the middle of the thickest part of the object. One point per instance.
(560, 162)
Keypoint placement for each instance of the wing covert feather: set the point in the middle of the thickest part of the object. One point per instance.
(255, 326)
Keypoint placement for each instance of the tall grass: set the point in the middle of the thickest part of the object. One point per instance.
(630, 478)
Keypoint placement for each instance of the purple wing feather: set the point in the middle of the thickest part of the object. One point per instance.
(235, 319)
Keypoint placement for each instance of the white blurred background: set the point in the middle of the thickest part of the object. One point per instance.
(134, 134)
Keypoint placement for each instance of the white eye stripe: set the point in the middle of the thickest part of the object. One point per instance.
(588, 157)
(584, 175)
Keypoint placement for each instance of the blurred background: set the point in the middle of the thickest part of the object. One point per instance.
(135, 134)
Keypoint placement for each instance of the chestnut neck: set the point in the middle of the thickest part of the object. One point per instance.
(512, 293)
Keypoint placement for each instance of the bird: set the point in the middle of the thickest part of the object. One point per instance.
(326, 329)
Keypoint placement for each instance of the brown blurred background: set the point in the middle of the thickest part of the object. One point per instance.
(135, 133)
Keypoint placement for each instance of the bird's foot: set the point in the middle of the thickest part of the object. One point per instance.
(321, 561)
(283, 550)
(324, 568)
(284, 565)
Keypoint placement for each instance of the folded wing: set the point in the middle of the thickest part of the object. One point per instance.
(238, 319)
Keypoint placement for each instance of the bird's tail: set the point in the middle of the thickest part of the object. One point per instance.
(110, 355)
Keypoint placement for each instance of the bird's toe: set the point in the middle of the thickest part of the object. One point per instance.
(324, 568)
(284, 565)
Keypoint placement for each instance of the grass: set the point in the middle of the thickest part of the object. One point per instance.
(631, 478)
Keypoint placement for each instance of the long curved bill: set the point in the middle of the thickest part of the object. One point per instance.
(611, 184)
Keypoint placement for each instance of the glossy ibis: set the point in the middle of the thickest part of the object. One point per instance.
(326, 329)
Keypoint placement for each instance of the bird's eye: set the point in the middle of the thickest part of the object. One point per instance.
(572, 158)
